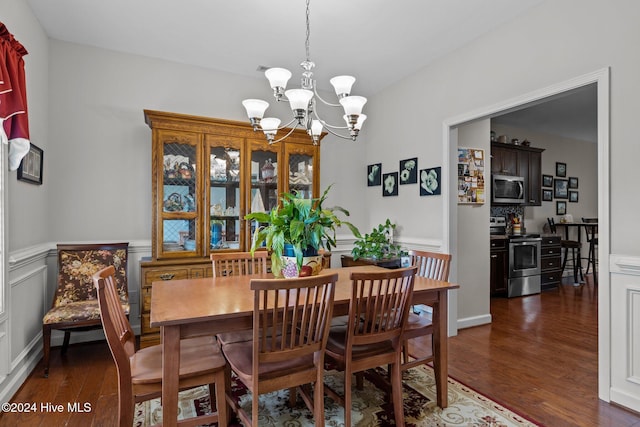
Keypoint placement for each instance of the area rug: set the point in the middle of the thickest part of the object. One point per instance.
(370, 407)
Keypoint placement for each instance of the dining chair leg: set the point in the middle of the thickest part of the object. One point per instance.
(396, 390)
(318, 399)
(347, 398)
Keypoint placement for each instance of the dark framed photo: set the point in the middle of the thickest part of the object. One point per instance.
(547, 195)
(561, 169)
(573, 196)
(561, 208)
(430, 181)
(374, 175)
(390, 184)
(560, 188)
(547, 181)
(573, 182)
(409, 171)
(30, 169)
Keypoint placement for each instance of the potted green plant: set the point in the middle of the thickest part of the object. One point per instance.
(298, 227)
(378, 244)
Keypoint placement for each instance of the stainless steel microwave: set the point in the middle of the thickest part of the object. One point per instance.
(508, 189)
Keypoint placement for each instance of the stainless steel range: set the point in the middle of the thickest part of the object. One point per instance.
(524, 265)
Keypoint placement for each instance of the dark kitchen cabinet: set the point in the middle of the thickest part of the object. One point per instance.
(550, 262)
(499, 266)
(517, 160)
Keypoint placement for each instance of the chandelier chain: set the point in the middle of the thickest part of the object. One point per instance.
(308, 32)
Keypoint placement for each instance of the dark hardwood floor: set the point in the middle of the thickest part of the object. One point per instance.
(538, 357)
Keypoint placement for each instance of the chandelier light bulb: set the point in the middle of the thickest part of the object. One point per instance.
(342, 85)
(316, 127)
(255, 108)
(299, 98)
(278, 77)
(353, 104)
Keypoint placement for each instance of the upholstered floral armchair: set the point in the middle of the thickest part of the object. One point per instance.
(75, 305)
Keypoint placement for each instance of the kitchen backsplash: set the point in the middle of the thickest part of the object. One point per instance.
(509, 212)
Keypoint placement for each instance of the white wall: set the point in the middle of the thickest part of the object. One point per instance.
(473, 272)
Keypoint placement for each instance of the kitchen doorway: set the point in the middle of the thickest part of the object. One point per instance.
(601, 79)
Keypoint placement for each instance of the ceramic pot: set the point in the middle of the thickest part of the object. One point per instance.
(311, 262)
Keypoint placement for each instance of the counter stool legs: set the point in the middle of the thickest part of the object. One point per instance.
(577, 265)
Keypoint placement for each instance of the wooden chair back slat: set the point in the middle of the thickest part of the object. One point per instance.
(433, 265)
(239, 263)
(291, 316)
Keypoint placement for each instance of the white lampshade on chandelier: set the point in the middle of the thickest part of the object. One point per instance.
(303, 103)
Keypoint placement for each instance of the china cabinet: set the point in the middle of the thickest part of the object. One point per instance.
(207, 174)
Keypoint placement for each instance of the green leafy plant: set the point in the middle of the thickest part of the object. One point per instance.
(377, 244)
(302, 223)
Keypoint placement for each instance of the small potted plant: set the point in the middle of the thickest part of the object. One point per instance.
(378, 244)
(297, 228)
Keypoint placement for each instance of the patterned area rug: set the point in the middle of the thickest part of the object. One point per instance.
(370, 406)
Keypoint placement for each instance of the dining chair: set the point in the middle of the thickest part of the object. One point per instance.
(238, 264)
(592, 239)
(140, 373)
(569, 245)
(75, 306)
(295, 313)
(378, 311)
(432, 265)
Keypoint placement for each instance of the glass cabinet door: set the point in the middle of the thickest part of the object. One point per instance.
(264, 192)
(226, 209)
(179, 203)
(301, 161)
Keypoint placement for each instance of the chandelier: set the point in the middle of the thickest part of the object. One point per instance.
(303, 103)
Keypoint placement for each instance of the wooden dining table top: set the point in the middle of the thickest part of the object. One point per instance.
(205, 299)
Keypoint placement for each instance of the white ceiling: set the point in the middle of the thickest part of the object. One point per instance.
(378, 41)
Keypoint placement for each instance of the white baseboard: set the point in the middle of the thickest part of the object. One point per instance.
(469, 322)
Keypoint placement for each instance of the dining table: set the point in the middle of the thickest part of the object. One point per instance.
(211, 305)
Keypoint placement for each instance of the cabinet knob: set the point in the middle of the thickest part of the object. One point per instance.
(494, 256)
(167, 276)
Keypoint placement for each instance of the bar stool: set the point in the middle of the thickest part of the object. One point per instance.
(592, 239)
(567, 245)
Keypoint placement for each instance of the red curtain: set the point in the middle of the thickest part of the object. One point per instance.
(13, 98)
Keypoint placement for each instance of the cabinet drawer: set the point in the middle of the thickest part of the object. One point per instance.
(550, 277)
(151, 276)
(551, 240)
(550, 251)
(550, 263)
(498, 244)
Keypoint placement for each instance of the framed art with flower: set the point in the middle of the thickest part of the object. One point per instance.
(409, 171)
(390, 184)
(374, 175)
(430, 181)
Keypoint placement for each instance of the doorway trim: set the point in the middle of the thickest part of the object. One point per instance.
(602, 78)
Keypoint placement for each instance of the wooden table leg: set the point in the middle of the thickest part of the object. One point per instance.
(170, 370)
(441, 349)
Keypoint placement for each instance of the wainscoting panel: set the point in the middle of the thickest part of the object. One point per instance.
(625, 331)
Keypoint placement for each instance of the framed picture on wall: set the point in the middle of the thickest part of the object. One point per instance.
(573, 182)
(374, 175)
(390, 184)
(547, 195)
(561, 169)
(30, 168)
(561, 208)
(573, 196)
(547, 181)
(560, 188)
(409, 171)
